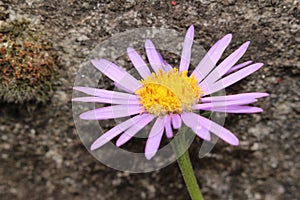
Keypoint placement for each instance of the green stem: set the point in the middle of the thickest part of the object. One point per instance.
(180, 147)
(187, 171)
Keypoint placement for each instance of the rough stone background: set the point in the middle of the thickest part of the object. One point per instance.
(42, 157)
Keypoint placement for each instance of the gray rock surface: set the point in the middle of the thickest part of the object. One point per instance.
(42, 157)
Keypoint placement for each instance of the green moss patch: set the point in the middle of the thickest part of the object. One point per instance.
(27, 63)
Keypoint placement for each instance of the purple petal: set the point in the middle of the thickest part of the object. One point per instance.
(239, 66)
(168, 128)
(111, 112)
(187, 49)
(211, 58)
(226, 64)
(114, 132)
(251, 95)
(233, 78)
(138, 63)
(207, 106)
(193, 122)
(202, 133)
(236, 109)
(133, 130)
(153, 56)
(117, 74)
(133, 101)
(166, 66)
(154, 138)
(215, 128)
(176, 121)
(104, 93)
(122, 87)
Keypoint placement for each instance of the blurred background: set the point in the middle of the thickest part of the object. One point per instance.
(41, 154)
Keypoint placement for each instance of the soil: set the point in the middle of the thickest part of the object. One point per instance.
(42, 156)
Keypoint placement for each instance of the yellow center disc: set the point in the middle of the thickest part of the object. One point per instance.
(169, 92)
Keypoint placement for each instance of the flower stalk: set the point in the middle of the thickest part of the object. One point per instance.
(190, 180)
(180, 146)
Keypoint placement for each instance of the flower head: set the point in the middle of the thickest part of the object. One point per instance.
(169, 92)
(170, 96)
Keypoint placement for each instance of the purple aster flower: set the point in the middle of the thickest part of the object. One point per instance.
(169, 96)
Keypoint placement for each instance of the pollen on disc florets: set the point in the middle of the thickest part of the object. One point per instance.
(169, 92)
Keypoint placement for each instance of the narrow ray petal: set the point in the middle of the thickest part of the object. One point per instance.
(233, 78)
(176, 121)
(211, 58)
(215, 128)
(191, 120)
(202, 133)
(236, 109)
(138, 63)
(222, 104)
(131, 101)
(111, 112)
(166, 66)
(133, 130)
(117, 74)
(114, 132)
(226, 64)
(154, 138)
(239, 66)
(251, 95)
(168, 128)
(187, 49)
(122, 87)
(153, 56)
(104, 93)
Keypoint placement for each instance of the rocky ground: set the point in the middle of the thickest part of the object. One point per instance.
(42, 156)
